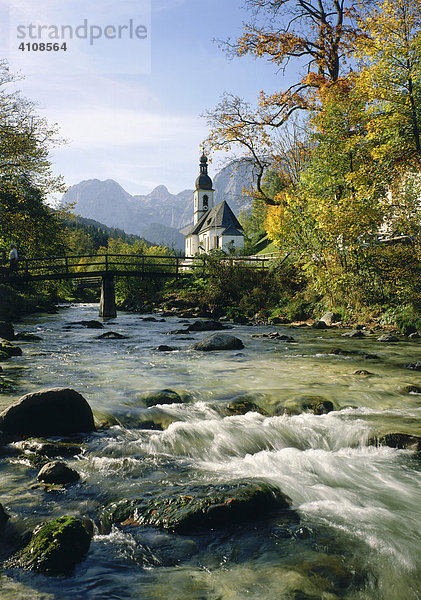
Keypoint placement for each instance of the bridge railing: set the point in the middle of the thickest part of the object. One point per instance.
(71, 267)
(84, 264)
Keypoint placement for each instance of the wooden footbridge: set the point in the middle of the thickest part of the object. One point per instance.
(108, 266)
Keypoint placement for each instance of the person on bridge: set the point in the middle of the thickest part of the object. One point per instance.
(13, 257)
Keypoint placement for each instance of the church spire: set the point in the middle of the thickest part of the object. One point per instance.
(203, 182)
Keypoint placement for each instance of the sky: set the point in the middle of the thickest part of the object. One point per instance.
(130, 104)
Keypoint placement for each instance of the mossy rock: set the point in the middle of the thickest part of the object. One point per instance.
(314, 404)
(161, 397)
(241, 406)
(190, 510)
(55, 548)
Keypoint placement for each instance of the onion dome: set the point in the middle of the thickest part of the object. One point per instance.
(204, 182)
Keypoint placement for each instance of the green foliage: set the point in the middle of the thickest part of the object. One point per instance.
(85, 236)
(27, 222)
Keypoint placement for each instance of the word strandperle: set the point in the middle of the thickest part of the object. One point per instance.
(84, 31)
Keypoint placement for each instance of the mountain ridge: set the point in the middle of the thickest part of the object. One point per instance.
(160, 213)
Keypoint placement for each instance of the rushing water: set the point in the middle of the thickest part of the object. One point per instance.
(359, 505)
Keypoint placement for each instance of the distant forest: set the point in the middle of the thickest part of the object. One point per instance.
(99, 233)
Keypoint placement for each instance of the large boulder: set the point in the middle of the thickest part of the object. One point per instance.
(218, 341)
(213, 506)
(55, 547)
(57, 411)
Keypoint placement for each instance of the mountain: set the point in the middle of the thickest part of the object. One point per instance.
(160, 215)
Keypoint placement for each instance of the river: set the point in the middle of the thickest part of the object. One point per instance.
(359, 531)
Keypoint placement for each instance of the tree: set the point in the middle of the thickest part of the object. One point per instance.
(320, 35)
(26, 221)
(25, 139)
(26, 175)
(390, 78)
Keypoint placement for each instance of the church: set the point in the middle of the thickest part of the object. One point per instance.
(214, 227)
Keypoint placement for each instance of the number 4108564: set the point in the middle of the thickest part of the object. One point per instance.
(42, 47)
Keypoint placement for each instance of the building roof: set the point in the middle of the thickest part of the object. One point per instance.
(233, 231)
(219, 216)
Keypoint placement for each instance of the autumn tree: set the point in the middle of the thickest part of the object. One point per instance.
(318, 36)
(390, 78)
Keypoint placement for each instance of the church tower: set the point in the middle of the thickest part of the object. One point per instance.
(203, 195)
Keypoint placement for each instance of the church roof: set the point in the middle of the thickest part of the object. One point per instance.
(219, 216)
(231, 230)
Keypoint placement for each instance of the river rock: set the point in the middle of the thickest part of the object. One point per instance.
(241, 406)
(412, 389)
(207, 326)
(319, 325)
(162, 397)
(210, 507)
(164, 348)
(416, 366)
(315, 404)
(355, 333)
(111, 335)
(402, 441)
(27, 337)
(92, 324)
(57, 472)
(387, 337)
(330, 317)
(55, 548)
(57, 411)
(218, 341)
(6, 331)
(10, 349)
(48, 448)
(274, 335)
(363, 373)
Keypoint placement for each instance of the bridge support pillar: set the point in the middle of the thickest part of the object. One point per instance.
(107, 304)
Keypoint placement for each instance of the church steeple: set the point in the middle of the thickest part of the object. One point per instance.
(203, 196)
(204, 182)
